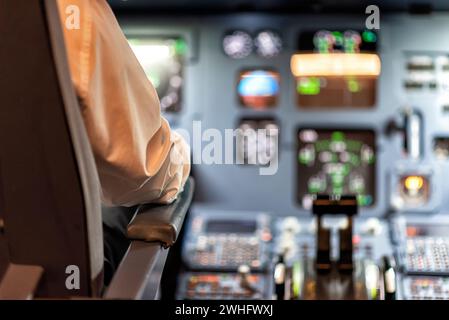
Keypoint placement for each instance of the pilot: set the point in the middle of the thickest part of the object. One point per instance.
(139, 158)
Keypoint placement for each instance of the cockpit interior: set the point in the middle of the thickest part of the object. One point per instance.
(319, 147)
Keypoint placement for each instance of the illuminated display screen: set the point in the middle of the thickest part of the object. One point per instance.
(163, 62)
(336, 69)
(337, 162)
(256, 147)
(258, 89)
(336, 92)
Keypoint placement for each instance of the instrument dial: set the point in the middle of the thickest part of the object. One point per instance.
(237, 44)
(268, 43)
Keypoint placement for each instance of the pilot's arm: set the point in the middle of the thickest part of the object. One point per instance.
(139, 158)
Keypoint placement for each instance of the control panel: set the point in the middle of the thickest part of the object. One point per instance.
(222, 286)
(247, 255)
(341, 111)
(427, 255)
(227, 241)
(425, 288)
(424, 249)
(227, 256)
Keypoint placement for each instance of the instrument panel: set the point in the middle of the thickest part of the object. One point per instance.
(227, 241)
(221, 286)
(341, 110)
(314, 78)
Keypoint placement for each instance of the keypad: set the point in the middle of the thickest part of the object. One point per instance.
(426, 288)
(227, 251)
(221, 286)
(427, 255)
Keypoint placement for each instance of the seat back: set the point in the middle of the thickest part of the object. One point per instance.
(51, 204)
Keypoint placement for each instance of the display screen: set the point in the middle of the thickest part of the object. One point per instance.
(231, 226)
(335, 92)
(258, 89)
(336, 69)
(257, 141)
(163, 62)
(337, 162)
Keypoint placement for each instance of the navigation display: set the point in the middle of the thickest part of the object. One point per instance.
(163, 62)
(338, 162)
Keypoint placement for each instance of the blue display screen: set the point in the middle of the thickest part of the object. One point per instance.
(258, 88)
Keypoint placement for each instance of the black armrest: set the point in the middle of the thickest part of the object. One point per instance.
(139, 273)
(162, 223)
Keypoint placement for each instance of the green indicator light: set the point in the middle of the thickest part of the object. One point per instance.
(345, 169)
(314, 186)
(302, 159)
(364, 200)
(323, 46)
(354, 159)
(309, 86)
(369, 36)
(338, 180)
(338, 37)
(306, 156)
(338, 136)
(337, 191)
(349, 46)
(360, 200)
(353, 86)
(180, 47)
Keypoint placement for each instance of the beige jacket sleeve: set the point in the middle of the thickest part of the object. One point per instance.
(139, 158)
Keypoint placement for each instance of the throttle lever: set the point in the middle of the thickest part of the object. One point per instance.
(389, 275)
